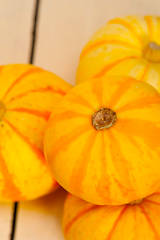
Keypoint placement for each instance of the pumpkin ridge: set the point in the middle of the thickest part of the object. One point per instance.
(82, 164)
(149, 221)
(116, 222)
(39, 90)
(34, 148)
(32, 70)
(45, 115)
(128, 26)
(149, 23)
(111, 65)
(79, 215)
(96, 45)
(10, 190)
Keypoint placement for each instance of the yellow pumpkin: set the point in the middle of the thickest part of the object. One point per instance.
(28, 94)
(102, 140)
(125, 46)
(139, 220)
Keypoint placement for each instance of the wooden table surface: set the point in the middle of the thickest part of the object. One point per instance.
(63, 28)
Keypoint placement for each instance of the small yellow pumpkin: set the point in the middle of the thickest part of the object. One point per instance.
(28, 94)
(102, 140)
(139, 220)
(125, 46)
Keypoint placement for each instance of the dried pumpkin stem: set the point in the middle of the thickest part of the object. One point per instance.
(152, 52)
(104, 118)
(2, 110)
(138, 201)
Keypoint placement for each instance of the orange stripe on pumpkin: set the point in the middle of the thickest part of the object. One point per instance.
(74, 98)
(112, 65)
(10, 191)
(116, 222)
(79, 171)
(39, 154)
(39, 90)
(97, 90)
(49, 89)
(145, 73)
(96, 45)
(130, 139)
(62, 143)
(79, 215)
(150, 201)
(134, 210)
(151, 206)
(143, 129)
(119, 92)
(122, 166)
(150, 26)
(56, 118)
(1, 69)
(34, 112)
(103, 187)
(155, 193)
(140, 103)
(150, 222)
(128, 26)
(32, 70)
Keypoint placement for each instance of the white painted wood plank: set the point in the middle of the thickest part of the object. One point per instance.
(16, 19)
(5, 220)
(65, 26)
(41, 219)
(15, 40)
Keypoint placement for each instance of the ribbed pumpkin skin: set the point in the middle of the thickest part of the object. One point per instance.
(29, 94)
(82, 220)
(111, 166)
(118, 49)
